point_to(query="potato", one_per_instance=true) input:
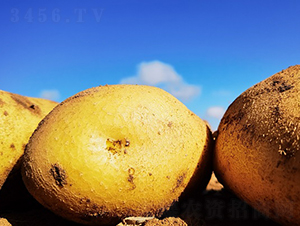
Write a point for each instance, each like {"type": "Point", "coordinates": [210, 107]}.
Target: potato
{"type": "Point", "coordinates": [257, 150]}
{"type": "Point", "coordinates": [171, 221]}
{"type": "Point", "coordinates": [19, 117]}
{"type": "Point", "coordinates": [4, 222]}
{"type": "Point", "coordinates": [116, 151]}
{"type": "Point", "coordinates": [150, 221]}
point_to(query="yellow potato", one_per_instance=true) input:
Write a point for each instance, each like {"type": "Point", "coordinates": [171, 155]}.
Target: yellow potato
{"type": "Point", "coordinates": [19, 117]}
{"type": "Point", "coordinates": [257, 151]}
{"type": "Point", "coordinates": [116, 151]}
{"type": "Point", "coordinates": [4, 222]}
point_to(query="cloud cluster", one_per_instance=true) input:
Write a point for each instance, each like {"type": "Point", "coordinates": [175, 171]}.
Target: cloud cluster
{"type": "Point", "coordinates": [156, 73]}
{"type": "Point", "coordinates": [52, 94]}
{"type": "Point", "coordinates": [216, 112]}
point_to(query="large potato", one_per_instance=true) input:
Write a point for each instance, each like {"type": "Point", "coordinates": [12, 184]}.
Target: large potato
{"type": "Point", "coordinates": [257, 151]}
{"type": "Point", "coordinates": [116, 151]}
{"type": "Point", "coordinates": [19, 117]}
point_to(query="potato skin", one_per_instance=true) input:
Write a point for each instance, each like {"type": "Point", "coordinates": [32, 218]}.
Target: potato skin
{"type": "Point", "coordinates": [19, 117]}
{"type": "Point", "coordinates": [116, 151]}
{"type": "Point", "coordinates": [257, 150]}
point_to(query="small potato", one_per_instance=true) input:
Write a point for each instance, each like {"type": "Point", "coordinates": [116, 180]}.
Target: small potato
{"type": "Point", "coordinates": [4, 222]}
{"type": "Point", "coordinates": [257, 150]}
{"type": "Point", "coordinates": [116, 151]}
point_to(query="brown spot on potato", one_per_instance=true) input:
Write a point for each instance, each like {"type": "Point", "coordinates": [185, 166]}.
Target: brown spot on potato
{"type": "Point", "coordinates": [12, 146]}
{"type": "Point", "coordinates": [26, 103]}
{"type": "Point", "coordinates": [249, 128]}
{"type": "Point", "coordinates": [117, 146]}
{"type": "Point", "coordinates": [113, 146]}
{"type": "Point", "coordinates": [278, 164]}
{"type": "Point", "coordinates": [5, 113]}
{"type": "Point", "coordinates": [1, 102]}
{"type": "Point", "coordinates": [170, 124]}
{"type": "Point", "coordinates": [127, 143]}
{"type": "Point", "coordinates": [281, 86]}
{"type": "Point", "coordinates": [180, 181]}
{"type": "Point", "coordinates": [276, 111]}
{"type": "Point", "coordinates": [275, 82]}
{"type": "Point", "coordinates": [21, 100]}
{"type": "Point", "coordinates": [59, 175]}
{"type": "Point", "coordinates": [284, 87]}
{"type": "Point", "coordinates": [84, 200]}
{"type": "Point", "coordinates": [131, 171]}
{"type": "Point", "coordinates": [130, 177]}
{"type": "Point", "coordinates": [33, 106]}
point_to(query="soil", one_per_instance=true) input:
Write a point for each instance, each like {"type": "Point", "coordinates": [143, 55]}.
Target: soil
{"type": "Point", "coordinates": [215, 207]}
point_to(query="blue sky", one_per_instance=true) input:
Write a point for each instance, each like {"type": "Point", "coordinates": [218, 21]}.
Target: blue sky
{"type": "Point", "coordinates": [206, 53]}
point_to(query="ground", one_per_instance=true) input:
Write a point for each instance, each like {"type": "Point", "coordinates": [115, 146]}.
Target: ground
{"type": "Point", "coordinates": [214, 207]}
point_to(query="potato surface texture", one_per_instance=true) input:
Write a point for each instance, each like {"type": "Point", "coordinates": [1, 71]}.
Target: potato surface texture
{"type": "Point", "coordinates": [19, 117]}
{"type": "Point", "coordinates": [116, 151]}
{"type": "Point", "coordinates": [257, 151]}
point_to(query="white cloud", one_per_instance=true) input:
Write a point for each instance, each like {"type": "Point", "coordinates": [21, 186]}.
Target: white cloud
{"type": "Point", "coordinates": [156, 73]}
{"type": "Point", "coordinates": [52, 94]}
{"type": "Point", "coordinates": [215, 112]}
